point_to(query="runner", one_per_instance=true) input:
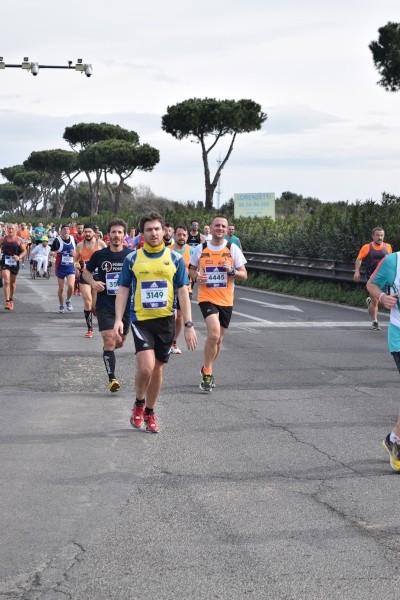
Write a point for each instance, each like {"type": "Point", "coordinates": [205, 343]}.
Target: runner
{"type": "Point", "coordinates": [52, 234]}
{"type": "Point", "coordinates": [84, 251]}
{"type": "Point", "coordinates": [186, 251]}
{"type": "Point", "coordinates": [38, 232]}
{"type": "Point", "coordinates": [108, 264]}
{"type": "Point", "coordinates": [372, 254]}
{"type": "Point", "coordinates": [215, 265]}
{"type": "Point", "coordinates": [195, 237]}
{"type": "Point", "coordinates": [64, 248]}
{"type": "Point", "coordinates": [13, 251]}
{"type": "Point", "coordinates": [154, 274]}
{"type": "Point", "coordinates": [79, 236]}
{"type": "Point", "coordinates": [24, 234]}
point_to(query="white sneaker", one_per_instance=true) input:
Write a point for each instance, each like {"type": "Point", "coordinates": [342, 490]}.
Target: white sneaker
{"type": "Point", "coordinates": [69, 305]}
{"type": "Point", "coordinates": [175, 349]}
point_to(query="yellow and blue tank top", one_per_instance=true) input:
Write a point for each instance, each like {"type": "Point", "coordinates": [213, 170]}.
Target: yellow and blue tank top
{"type": "Point", "coordinates": [154, 277]}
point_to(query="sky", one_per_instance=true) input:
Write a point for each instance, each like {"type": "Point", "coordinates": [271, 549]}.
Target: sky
{"type": "Point", "coordinates": [332, 133]}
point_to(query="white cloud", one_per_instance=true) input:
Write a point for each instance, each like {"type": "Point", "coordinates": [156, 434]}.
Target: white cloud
{"type": "Point", "coordinates": [331, 131]}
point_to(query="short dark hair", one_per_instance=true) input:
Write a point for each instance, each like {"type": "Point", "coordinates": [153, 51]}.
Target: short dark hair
{"type": "Point", "coordinates": [181, 227]}
{"type": "Point", "coordinates": [377, 229]}
{"type": "Point", "coordinates": [87, 225]}
{"type": "Point", "coordinates": [117, 223]}
{"type": "Point", "coordinates": [151, 216]}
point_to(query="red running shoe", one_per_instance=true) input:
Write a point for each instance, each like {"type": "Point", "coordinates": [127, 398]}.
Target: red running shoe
{"type": "Point", "coordinates": [137, 416]}
{"type": "Point", "coordinates": [151, 424]}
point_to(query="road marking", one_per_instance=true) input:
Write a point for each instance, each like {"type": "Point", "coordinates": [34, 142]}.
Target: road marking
{"type": "Point", "coordinates": [269, 305]}
{"type": "Point", "coordinates": [303, 324]}
{"type": "Point", "coordinates": [234, 312]}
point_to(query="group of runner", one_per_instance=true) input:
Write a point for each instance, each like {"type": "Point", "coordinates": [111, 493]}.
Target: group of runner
{"type": "Point", "coordinates": [146, 285]}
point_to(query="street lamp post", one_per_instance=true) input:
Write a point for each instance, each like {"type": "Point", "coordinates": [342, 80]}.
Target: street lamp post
{"type": "Point", "coordinates": [34, 67]}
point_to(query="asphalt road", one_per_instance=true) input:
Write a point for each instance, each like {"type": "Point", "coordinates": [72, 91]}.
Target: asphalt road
{"type": "Point", "coordinates": [272, 487]}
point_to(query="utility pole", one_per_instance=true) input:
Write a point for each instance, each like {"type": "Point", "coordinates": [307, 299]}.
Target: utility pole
{"type": "Point", "coordinates": [219, 191]}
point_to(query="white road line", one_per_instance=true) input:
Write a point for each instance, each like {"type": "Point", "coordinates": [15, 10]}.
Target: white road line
{"type": "Point", "coordinates": [304, 324]}
{"type": "Point", "coordinates": [269, 305]}
{"type": "Point", "coordinates": [252, 318]}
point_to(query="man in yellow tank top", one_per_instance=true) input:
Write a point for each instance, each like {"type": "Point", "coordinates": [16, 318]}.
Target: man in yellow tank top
{"type": "Point", "coordinates": [84, 251]}
{"type": "Point", "coordinates": [215, 265]}
{"type": "Point", "coordinates": [154, 275]}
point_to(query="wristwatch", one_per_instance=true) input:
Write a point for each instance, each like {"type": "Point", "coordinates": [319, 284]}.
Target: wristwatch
{"type": "Point", "coordinates": [188, 324]}
{"type": "Point", "coordinates": [232, 272]}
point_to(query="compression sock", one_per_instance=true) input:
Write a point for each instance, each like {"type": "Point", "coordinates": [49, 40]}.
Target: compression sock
{"type": "Point", "coordinates": [139, 402]}
{"type": "Point", "coordinates": [88, 319]}
{"type": "Point", "coordinates": [149, 411]}
{"type": "Point", "coordinates": [109, 362]}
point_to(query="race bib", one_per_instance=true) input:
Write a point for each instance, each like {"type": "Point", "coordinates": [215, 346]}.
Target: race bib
{"type": "Point", "coordinates": [154, 294]}
{"type": "Point", "coordinates": [10, 261]}
{"type": "Point", "coordinates": [112, 283]}
{"type": "Point", "coordinates": [216, 277]}
{"type": "Point", "coordinates": [66, 259]}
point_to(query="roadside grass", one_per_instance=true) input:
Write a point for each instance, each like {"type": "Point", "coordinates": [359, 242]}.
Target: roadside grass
{"type": "Point", "coordinates": [327, 291]}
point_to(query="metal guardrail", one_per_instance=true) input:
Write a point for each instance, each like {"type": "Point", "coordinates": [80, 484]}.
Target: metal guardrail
{"type": "Point", "coordinates": [318, 268]}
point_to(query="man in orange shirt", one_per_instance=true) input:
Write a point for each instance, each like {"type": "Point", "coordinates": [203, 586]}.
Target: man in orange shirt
{"type": "Point", "coordinates": [215, 265]}
{"type": "Point", "coordinates": [25, 236]}
{"type": "Point", "coordinates": [372, 254]}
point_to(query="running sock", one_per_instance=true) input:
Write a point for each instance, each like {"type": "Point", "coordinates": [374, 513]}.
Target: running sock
{"type": "Point", "coordinates": [88, 318]}
{"type": "Point", "coordinates": [139, 402]}
{"type": "Point", "coordinates": [207, 371]}
{"type": "Point", "coordinates": [149, 411]}
{"type": "Point", "coordinates": [109, 362]}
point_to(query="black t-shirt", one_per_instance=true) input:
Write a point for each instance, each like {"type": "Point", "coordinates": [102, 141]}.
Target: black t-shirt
{"type": "Point", "coordinates": [108, 265]}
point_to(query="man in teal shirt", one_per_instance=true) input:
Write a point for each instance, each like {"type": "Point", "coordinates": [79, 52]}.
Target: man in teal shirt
{"type": "Point", "coordinates": [231, 237]}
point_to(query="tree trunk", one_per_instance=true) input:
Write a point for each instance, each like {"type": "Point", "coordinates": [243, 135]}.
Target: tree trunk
{"type": "Point", "coordinates": [210, 189]}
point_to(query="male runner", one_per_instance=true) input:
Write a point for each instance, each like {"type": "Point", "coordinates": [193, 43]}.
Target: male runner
{"type": "Point", "coordinates": [215, 265]}
{"type": "Point", "coordinates": [64, 248]}
{"type": "Point", "coordinates": [372, 254]}
{"type": "Point", "coordinates": [107, 263]}
{"type": "Point", "coordinates": [38, 232]}
{"type": "Point", "coordinates": [84, 251]}
{"type": "Point", "coordinates": [231, 237]}
{"type": "Point", "coordinates": [195, 237]}
{"type": "Point", "coordinates": [25, 235]}
{"type": "Point", "coordinates": [182, 247]}
{"type": "Point", "coordinates": [168, 234]}
{"type": "Point", "coordinates": [79, 236]}
{"type": "Point", "coordinates": [13, 251]}
{"type": "Point", "coordinates": [155, 274]}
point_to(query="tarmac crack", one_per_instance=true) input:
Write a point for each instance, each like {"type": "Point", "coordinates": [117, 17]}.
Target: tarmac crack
{"type": "Point", "coordinates": [48, 578]}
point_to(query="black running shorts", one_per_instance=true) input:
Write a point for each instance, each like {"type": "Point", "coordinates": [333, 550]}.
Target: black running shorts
{"type": "Point", "coordinates": [106, 320]}
{"type": "Point", "coordinates": [155, 334]}
{"type": "Point", "coordinates": [224, 312]}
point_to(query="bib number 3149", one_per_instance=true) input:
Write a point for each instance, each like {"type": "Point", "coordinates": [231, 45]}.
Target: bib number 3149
{"type": "Point", "coordinates": [154, 294]}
